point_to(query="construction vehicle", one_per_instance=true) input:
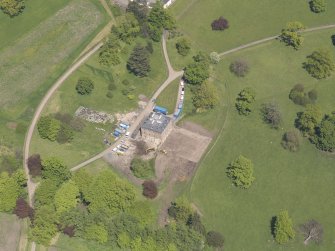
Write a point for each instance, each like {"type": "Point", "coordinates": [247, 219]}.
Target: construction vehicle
{"type": "Point", "coordinates": [163, 151]}
{"type": "Point", "coordinates": [152, 149]}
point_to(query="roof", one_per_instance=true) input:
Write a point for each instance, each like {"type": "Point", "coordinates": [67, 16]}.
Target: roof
{"type": "Point", "coordinates": [156, 122]}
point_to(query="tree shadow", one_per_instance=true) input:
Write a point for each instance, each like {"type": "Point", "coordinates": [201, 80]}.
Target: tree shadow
{"type": "Point", "coordinates": [272, 225]}
{"type": "Point", "coordinates": [333, 39]}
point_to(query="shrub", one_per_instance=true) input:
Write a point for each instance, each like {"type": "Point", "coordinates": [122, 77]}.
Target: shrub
{"type": "Point", "coordinates": [271, 114]}
{"type": "Point", "coordinates": [150, 189]}
{"type": "Point", "coordinates": [180, 210]}
{"type": "Point", "coordinates": [84, 86]}
{"type": "Point", "coordinates": [308, 120]}
{"type": "Point", "coordinates": [313, 95]}
{"type": "Point", "coordinates": [283, 229]}
{"type": "Point", "coordinates": [240, 68]}
{"type": "Point", "coordinates": [205, 96]}
{"type": "Point", "coordinates": [34, 165]}
{"type": "Point", "coordinates": [12, 7]}
{"type": "Point", "coordinates": [142, 169]}
{"type": "Point", "coordinates": [220, 24]}
{"type": "Point", "coordinates": [214, 239]}
{"type": "Point", "coordinates": [109, 94]}
{"type": "Point", "coordinates": [317, 6]}
{"type": "Point", "coordinates": [298, 95]}
{"type": "Point", "coordinates": [65, 134]}
{"type": "Point", "coordinates": [111, 87]}
{"type": "Point", "coordinates": [48, 128]}
{"type": "Point", "coordinates": [291, 140]}
{"type": "Point", "coordinates": [244, 101]}
{"type": "Point", "coordinates": [214, 57]}
{"type": "Point", "coordinates": [125, 82]}
{"type": "Point", "coordinates": [183, 46]}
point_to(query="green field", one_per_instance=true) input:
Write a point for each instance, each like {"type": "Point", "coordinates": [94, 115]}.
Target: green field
{"type": "Point", "coordinates": [9, 231]}
{"type": "Point", "coordinates": [33, 57]}
{"type": "Point", "coordinates": [249, 20]}
{"type": "Point", "coordinates": [66, 100]}
{"type": "Point", "coordinates": [168, 97]}
{"type": "Point", "coordinates": [299, 182]}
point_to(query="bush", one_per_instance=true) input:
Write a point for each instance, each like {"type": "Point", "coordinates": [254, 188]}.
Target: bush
{"type": "Point", "coordinates": [298, 95]}
{"type": "Point", "coordinates": [214, 239]}
{"type": "Point", "coordinates": [271, 114]}
{"type": "Point", "coordinates": [65, 134]}
{"type": "Point", "coordinates": [150, 189]}
{"type": "Point", "coordinates": [220, 24]}
{"type": "Point", "coordinates": [34, 165]}
{"type": "Point", "coordinates": [214, 57]}
{"type": "Point", "coordinates": [109, 94]}
{"type": "Point", "coordinates": [291, 140]}
{"type": "Point", "coordinates": [111, 87]}
{"type": "Point", "coordinates": [317, 6]}
{"type": "Point", "coordinates": [244, 101]}
{"type": "Point", "coordinates": [125, 82]}
{"type": "Point", "coordinates": [183, 46]}
{"type": "Point", "coordinates": [240, 68]}
{"type": "Point", "coordinates": [12, 7]}
{"type": "Point", "coordinates": [142, 169]}
{"type": "Point", "coordinates": [313, 95]}
{"type": "Point", "coordinates": [84, 86]}
{"type": "Point", "coordinates": [48, 128]}
{"type": "Point", "coordinates": [205, 96]}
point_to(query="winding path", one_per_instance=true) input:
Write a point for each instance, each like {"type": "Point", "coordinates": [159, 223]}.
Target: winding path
{"type": "Point", "coordinates": [261, 41]}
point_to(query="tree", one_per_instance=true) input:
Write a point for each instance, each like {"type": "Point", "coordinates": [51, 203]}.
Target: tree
{"type": "Point", "coordinates": [271, 114]}
{"type": "Point", "coordinates": [180, 210]}
{"type": "Point", "coordinates": [118, 195]}
{"type": "Point", "coordinates": [140, 11]}
{"type": "Point", "coordinates": [44, 225]}
{"type": "Point", "coordinates": [142, 211]}
{"type": "Point", "coordinates": [34, 165]}
{"type": "Point", "coordinates": [22, 209]}
{"type": "Point", "coordinates": [320, 64]}
{"type": "Point", "coordinates": [9, 192]}
{"type": "Point", "coordinates": [183, 46]}
{"type": "Point", "coordinates": [12, 7]}
{"type": "Point", "coordinates": [142, 169]}
{"type": "Point", "coordinates": [240, 68]}
{"type": "Point", "coordinates": [312, 230]}
{"type": "Point", "coordinates": [128, 28]}
{"type": "Point", "coordinates": [300, 97]}
{"type": "Point", "coordinates": [244, 101]}
{"type": "Point", "coordinates": [65, 134]}
{"type": "Point", "coordinates": [240, 171]}
{"type": "Point", "coordinates": [158, 20]}
{"type": "Point", "coordinates": [110, 51]}
{"type": "Point", "coordinates": [196, 73]}
{"type": "Point", "coordinates": [48, 128]}
{"type": "Point", "coordinates": [194, 222]}
{"type": "Point", "coordinates": [150, 189]}
{"type": "Point", "coordinates": [220, 24]}
{"type": "Point", "coordinates": [66, 197]}
{"type": "Point", "coordinates": [205, 96]}
{"type": "Point", "coordinates": [214, 57]}
{"type": "Point", "coordinates": [283, 229]}
{"type": "Point", "coordinates": [139, 61]}
{"type": "Point", "coordinates": [324, 138]}
{"type": "Point", "coordinates": [45, 192]}
{"type": "Point", "coordinates": [97, 233]}
{"type": "Point", "coordinates": [291, 140]}
{"type": "Point", "coordinates": [317, 6]}
{"type": "Point", "coordinates": [84, 86]}
{"type": "Point", "coordinates": [291, 35]}
{"type": "Point", "coordinates": [307, 121]}
{"type": "Point", "coordinates": [55, 169]}
{"type": "Point", "coordinates": [214, 239]}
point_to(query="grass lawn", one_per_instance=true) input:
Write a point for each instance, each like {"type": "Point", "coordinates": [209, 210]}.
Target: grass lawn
{"type": "Point", "coordinates": [299, 182]}
{"type": "Point", "coordinates": [248, 20]}
{"type": "Point", "coordinates": [9, 231]}
{"type": "Point", "coordinates": [40, 47]}
{"type": "Point", "coordinates": [66, 100]}
{"type": "Point", "coordinates": [168, 97]}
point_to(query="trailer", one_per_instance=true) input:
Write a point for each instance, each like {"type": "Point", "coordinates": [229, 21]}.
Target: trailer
{"type": "Point", "coordinates": [160, 109]}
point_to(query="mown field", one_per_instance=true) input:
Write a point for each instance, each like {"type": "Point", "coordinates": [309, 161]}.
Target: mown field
{"type": "Point", "coordinates": [67, 100]}
{"type": "Point", "coordinates": [35, 51]}
{"type": "Point", "coordinates": [168, 97]}
{"type": "Point", "coordinates": [300, 182]}
{"type": "Point", "coordinates": [248, 20]}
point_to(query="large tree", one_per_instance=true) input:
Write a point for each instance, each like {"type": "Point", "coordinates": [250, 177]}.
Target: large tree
{"type": "Point", "coordinates": [22, 209]}
{"type": "Point", "coordinates": [320, 64]}
{"type": "Point", "coordinates": [196, 73]}
{"type": "Point", "coordinates": [55, 169]}
{"type": "Point", "coordinates": [183, 46]}
{"type": "Point", "coordinates": [9, 192]}
{"type": "Point", "coordinates": [317, 6]}
{"type": "Point", "coordinates": [240, 171]}
{"type": "Point", "coordinates": [128, 28]}
{"type": "Point", "coordinates": [117, 195]}
{"type": "Point", "coordinates": [271, 114]}
{"type": "Point", "coordinates": [325, 134]}
{"type": "Point", "coordinates": [66, 197]}
{"type": "Point", "coordinates": [45, 192]}
{"type": "Point", "coordinates": [34, 165]}
{"type": "Point", "coordinates": [12, 7]}
{"type": "Point", "coordinates": [291, 35]}
{"type": "Point", "coordinates": [139, 61]}
{"type": "Point", "coordinates": [205, 96]}
{"type": "Point", "coordinates": [283, 229]}
{"type": "Point", "coordinates": [48, 128]}
{"type": "Point", "coordinates": [312, 230]}
{"type": "Point", "coordinates": [244, 101]}
{"type": "Point", "coordinates": [307, 121]}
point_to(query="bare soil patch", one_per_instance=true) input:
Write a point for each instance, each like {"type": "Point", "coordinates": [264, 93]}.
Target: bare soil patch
{"type": "Point", "coordinates": [196, 128]}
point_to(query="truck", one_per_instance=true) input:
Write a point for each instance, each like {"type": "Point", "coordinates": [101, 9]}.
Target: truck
{"type": "Point", "coordinates": [160, 109]}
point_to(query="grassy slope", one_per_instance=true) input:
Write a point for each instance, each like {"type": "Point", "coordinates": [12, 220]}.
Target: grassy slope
{"type": "Point", "coordinates": [168, 97]}
{"type": "Point", "coordinates": [66, 100]}
{"type": "Point", "coordinates": [300, 182]}
{"type": "Point", "coordinates": [249, 20]}
{"type": "Point", "coordinates": [22, 112]}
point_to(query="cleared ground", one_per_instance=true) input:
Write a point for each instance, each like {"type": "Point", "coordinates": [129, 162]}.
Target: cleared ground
{"type": "Point", "coordinates": [300, 182]}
